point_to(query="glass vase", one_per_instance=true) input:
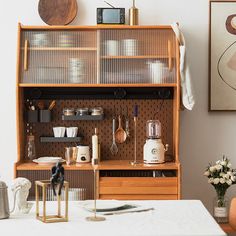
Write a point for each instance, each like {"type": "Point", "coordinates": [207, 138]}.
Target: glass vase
{"type": "Point", "coordinates": [221, 208]}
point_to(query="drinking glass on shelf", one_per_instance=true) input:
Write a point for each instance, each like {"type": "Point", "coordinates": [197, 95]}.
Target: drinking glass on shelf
{"type": "Point", "coordinates": [70, 155]}
{"type": "Point", "coordinates": [30, 149]}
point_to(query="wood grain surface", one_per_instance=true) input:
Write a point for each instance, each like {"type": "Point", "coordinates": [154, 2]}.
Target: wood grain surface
{"type": "Point", "coordinates": [57, 12]}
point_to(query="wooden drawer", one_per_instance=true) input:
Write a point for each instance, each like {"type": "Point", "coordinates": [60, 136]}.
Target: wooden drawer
{"type": "Point", "coordinates": [138, 186]}
{"type": "Point", "coordinates": [139, 196]}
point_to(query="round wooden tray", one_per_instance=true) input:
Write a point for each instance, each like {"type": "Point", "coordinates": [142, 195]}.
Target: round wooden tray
{"type": "Point", "coordinates": [57, 12]}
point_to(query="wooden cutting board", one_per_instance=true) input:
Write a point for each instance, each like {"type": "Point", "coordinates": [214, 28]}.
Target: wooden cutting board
{"type": "Point", "coordinates": [57, 12]}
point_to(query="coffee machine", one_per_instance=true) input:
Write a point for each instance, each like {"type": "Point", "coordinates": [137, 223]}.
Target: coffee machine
{"type": "Point", "coordinates": [154, 150]}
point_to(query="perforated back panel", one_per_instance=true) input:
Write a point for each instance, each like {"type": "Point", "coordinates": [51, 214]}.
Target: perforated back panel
{"type": "Point", "coordinates": [147, 110]}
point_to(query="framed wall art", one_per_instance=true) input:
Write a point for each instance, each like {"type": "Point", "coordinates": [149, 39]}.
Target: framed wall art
{"type": "Point", "coordinates": [222, 56]}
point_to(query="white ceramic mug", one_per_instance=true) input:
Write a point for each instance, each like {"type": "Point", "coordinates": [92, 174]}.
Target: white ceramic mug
{"type": "Point", "coordinates": [111, 48]}
{"type": "Point", "coordinates": [71, 132]}
{"type": "Point", "coordinates": [157, 71]}
{"type": "Point", "coordinates": [130, 47]}
{"type": "Point", "coordinates": [59, 132]}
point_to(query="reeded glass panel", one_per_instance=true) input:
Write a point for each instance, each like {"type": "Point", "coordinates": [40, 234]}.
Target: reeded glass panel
{"type": "Point", "coordinates": [59, 57]}
{"type": "Point", "coordinates": [137, 56]}
{"type": "Point", "coordinates": [107, 56]}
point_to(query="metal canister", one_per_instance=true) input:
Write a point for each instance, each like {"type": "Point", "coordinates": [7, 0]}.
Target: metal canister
{"type": "Point", "coordinates": [133, 15]}
{"type": "Point", "coordinates": [4, 204]}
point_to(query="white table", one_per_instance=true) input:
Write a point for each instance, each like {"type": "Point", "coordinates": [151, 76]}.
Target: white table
{"type": "Point", "coordinates": [184, 217]}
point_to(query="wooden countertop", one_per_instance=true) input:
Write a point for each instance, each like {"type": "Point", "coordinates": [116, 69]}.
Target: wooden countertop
{"type": "Point", "coordinates": [103, 165]}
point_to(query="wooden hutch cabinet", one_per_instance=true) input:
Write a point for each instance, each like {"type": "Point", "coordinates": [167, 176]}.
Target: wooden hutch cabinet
{"type": "Point", "coordinates": [113, 67]}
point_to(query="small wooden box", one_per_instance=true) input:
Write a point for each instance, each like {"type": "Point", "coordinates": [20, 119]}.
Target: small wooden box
{"type": "Point", "coordinates": [50, 218]}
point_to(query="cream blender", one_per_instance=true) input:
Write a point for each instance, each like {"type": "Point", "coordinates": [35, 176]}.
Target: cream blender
{"type": "Point", "coordinates": [154, 150]}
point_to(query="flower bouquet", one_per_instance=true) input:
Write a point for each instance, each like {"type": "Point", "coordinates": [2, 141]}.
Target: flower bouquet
{"type": "Point", "coordinates": [221, 177]}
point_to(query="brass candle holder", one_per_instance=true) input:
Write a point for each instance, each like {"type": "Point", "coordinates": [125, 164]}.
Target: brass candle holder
{"type": "Point", "coordinates": [44, 184]}
{"type": "Point", "coordinates": [95, 217]}
{"type": "Point", "coordinates": [135, 161]}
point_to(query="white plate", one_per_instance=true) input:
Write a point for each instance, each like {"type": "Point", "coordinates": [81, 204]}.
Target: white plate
{"type": "Point", "coordinates": [48, 160]}
{"type": "Point", "coordinates": [103, 205]}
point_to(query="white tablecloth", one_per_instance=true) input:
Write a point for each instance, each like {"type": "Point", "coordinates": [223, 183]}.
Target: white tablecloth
{"type": "Point", "coordinates": [184, 217]}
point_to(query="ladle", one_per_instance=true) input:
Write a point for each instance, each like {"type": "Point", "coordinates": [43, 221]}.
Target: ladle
{"type": "Point", "coordinates": [120, 134]}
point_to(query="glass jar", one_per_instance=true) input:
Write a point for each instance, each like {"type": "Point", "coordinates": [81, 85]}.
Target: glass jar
{"type": "Point", "coordinates": [221, 208]}
{"type": "Point", "coordinates": [70, 155]}
{"type": "Point", "coordinates": [82, 111]}
{"type": "Point", "coordinates": [153, 129]}
{"type": "Point", "coordinates": [96, 111]}
{"type": "Point", "coordinates": [68, 111]}
{"type": "Point", "coordinates": [30, 148]}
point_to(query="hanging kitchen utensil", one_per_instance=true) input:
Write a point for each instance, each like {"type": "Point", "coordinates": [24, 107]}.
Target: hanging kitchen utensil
{"type": "Point", "coordinates": [57, 12]}
{"type": "Point", "coordinates": [120, 134]}
{"type": "Point", "coordinates": [127, 123]}
{"type": "Point", "coordinates": [41, 105]}
{"type": "Point", "coordinates": [51, 105]}
{"type": "Point", "coordinates": [114, 148]}
{"type": "Point", "coordinates": [134, 162]}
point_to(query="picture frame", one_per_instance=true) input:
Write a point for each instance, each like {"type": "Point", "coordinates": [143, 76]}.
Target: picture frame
{"type": "Point", "coordinates": [222, 55]}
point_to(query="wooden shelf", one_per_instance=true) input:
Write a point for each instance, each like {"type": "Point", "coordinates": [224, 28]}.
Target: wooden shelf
{"type": "Point", "coordinates": [61, 49]}
{"type": "Point", "coordinates": [136, 57]}
{"type": "Point", "coordinates": [60, 140]}
{"type": "Point", "coordinates": [98, 85]}
{"type": "Point", "coordinates": [35, 166]}
{"type": "Point", "coordinates": [84, 117]}
{"type": "Point", "coordinates": [93, 27]}
{"type": "Point", "coordinates": [104, 165]}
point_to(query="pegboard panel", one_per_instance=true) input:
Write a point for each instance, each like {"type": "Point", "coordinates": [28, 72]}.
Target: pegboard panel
{"type": "Point", "coordinates": [147, 111]}
{"type": "Point", "coordinates": [76, 179]}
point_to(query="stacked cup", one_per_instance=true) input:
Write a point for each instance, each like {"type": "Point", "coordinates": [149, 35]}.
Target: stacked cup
{"type": "Point", "coordinates": [158, 71]}
{"type": "Point", "coordinates": [76, 70]}
{"type": "Point", "coordinates": [130, 47]}
{"type": "Point", "coordinates": [59, 132]}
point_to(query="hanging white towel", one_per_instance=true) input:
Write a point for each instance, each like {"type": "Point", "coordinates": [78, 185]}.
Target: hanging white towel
{"type": "Point", "coordinates": [187, 92]}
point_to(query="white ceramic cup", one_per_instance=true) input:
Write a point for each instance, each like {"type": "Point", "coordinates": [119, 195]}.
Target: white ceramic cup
{"type": "Point", "coordinates": [112, 48]}
{"type": "Point", "coordinates": [71, 132]}
{"type": "Point", "coordinates": [59, 132]}
{"type": "Point", "coordinates": [157, 71]}
{"type": "Point", "coordinates": [130, 47]}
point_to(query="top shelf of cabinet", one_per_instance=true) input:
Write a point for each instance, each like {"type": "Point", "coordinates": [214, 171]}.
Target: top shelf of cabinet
{"type": "Point", "coordinates": [93, 27]}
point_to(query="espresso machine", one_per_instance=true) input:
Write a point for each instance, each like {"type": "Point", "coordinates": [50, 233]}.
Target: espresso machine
{"type": "Point", "coordinates": [154, 150]}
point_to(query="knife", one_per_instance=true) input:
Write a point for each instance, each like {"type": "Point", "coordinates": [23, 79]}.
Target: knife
{"type": "Point", "coordinates": [123, 212]}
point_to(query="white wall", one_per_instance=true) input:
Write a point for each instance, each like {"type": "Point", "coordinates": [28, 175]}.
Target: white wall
{"type": "Point", "coordinates": [204, 136]}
